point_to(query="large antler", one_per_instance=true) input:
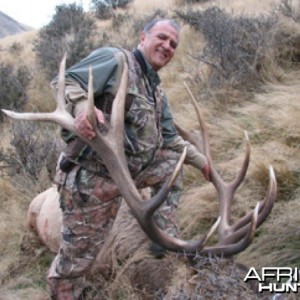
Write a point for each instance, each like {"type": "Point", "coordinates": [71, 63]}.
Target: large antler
{"type": "Point", "coordinates": [236, 237]}
{"type": "Point", "coordinates": [110, 147]}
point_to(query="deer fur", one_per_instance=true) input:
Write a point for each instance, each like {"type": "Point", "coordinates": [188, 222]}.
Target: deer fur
{"type": "Point", "coordinates": [125, 255]}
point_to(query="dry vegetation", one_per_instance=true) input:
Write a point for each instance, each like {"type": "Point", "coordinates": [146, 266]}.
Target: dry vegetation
{"type": "Point", "coordinates": [269, 113]}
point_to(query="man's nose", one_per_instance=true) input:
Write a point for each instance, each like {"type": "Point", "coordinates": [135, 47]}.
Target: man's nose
{"type": "Point", "coordinates": [167, 45]}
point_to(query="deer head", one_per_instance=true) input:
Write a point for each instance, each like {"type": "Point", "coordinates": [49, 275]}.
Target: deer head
{"type": "Point", "coordinates": [110, 147]}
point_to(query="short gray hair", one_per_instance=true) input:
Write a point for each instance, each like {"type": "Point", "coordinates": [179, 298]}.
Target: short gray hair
{"type": "Point", "coordinates": [147, 28]}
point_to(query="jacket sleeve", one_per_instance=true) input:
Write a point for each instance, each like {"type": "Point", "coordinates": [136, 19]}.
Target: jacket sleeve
{"type": "Point", "coordinates": [105, 73]}
{"type": "Point", "coordinates": [105, 70]}
{"type": "Point", "coordinates": [175, 142]}
{"type": "Point", "coordinates": [104, 66]}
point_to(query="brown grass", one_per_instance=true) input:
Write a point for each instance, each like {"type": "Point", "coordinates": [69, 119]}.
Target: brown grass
{"type": "Point", "coordinates": [141, 7]}
{"type": "Point", "coordinates": [25, 39]}
{"type": "Point", "coordinates": [271, 118]}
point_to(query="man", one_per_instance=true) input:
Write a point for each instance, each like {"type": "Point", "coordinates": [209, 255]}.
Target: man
{"type": "Point", "coordinates": [89, 198]}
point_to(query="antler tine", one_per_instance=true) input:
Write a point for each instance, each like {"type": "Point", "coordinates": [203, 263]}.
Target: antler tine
{"type": "Point", "coordinates": [118, 109]}
{"type": "Point", "coordinates": [205, 140]}
{"type": "Point", "coordinates": [153, 204]}
{"type": "Point", "coordinates": [270, 198]}
{"type": "Point", "coordinates": [265, 207]}
{"type": "Point", "coordinates": [61, 84]}
{"type": "Point", "coordinates": [91, 115]}
{"type": "Point", "coordinates": [201, 123]}
{"type": "Point", "coordinates": [229, 249]}
{"type": "Point", "coordinates": [59, 116]}
{"type": "Point", "coordinates": [211, 231]}
{"type": "Point", "coordinates": [241, 175]}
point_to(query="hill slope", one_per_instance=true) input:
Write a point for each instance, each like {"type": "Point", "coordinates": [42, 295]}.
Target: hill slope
{"type": "Point", "coordinates": [9, 26]}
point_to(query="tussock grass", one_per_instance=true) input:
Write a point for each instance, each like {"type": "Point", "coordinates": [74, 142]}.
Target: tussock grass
{"type": "Point", "coordinates": [140, 6]}
{"type": "Point", "coordinates": [248, 7]}
{"type": "Point", "coordinates": [13, 213]}
{"type": "Point", "coordinates": [25, 39]}
{"type": "Point", "coordinates": [40, 95]}
{"type": "Point", "coordinates": [278, 242]}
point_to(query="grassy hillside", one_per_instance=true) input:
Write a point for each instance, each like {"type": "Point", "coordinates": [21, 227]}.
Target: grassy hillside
{"type": "Point", "coordinates": [269, 112]}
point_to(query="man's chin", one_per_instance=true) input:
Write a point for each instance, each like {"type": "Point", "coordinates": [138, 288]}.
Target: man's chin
{"type": "Point", "coordinates": [160, 65]}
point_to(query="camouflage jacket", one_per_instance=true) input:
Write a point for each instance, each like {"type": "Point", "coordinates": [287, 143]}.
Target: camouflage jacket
{"type": "Point", "coordinates": [148, 121]}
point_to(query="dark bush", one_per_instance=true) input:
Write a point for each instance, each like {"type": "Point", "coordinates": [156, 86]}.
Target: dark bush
{"type": "Point", "coordinates": [16, 48]}
{"type": "Point", "coordinates": [195, 1]}
{"type": "Point", "coordinates": [104, 9]}
{"type": "Point", "coordinates": [33, 148]}
{"type": "Point", "coordinates": [120, 20]}
{"type": "Point", "coordinates": [235, 48]}
{"type": "Point", "coordinates": [286, 8]}
{"type": "Point", "coordinates": [13, 85]}
{"type": "Point", "coordinates": [71, 30]}
{"type": "Point", "coordinates": [120, 3]}
{"type": "Point", "coordinates": [288, 46]}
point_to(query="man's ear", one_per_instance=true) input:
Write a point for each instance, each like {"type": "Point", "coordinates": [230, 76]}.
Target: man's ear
{"type": "Point", "coordinates": [142, 37]}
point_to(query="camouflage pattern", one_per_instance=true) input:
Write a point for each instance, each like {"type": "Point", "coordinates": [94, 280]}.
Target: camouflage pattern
{"type": "Point", "coordinates": [143, 134]}
{"type": "Point", "coordinates": [90, 203]}
{"type": "Point", "coordinates": [87, 221]}
{"type": "Point", "coordinates": [90, 200]}
{"type": "Point", "coordinates": [155, 176]}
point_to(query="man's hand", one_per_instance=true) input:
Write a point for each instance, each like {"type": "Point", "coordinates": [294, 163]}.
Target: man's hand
{"type": "Point", "coordinates": [206, 172]}
{"type": "Point", "coordinates": [84, 127]}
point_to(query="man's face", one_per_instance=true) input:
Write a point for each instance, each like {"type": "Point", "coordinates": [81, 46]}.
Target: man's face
{"type": "Point", "coordinates": [159, 45]}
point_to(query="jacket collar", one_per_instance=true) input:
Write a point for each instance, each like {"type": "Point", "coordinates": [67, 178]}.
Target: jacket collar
{"type": "Point", "coordinates": [147, 69]}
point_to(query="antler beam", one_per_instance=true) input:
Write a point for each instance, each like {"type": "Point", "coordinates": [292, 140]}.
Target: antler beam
{"type": "Point", "coordinates": [110, 147]}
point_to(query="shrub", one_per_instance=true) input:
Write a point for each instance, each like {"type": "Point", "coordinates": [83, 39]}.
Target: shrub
{"type": "Point", "coordinates": [13, 85]}
{"type": "Point", "coordinates": [33, 149]}
{"type": "Point", "coordinates": [104, 8]}
{"type": "Point", "coordinates": [286, 8]}
{"type": "Point", "coordinates": [288, 37]}
{"type": "Point", "coordinates": [70, 30]}
{"type": "Point", "coordinates": [16, 48]}
{"type": "Point", "coordinates": [192, 1]}
{"type": "Point", "coordinates": [235, 47]}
